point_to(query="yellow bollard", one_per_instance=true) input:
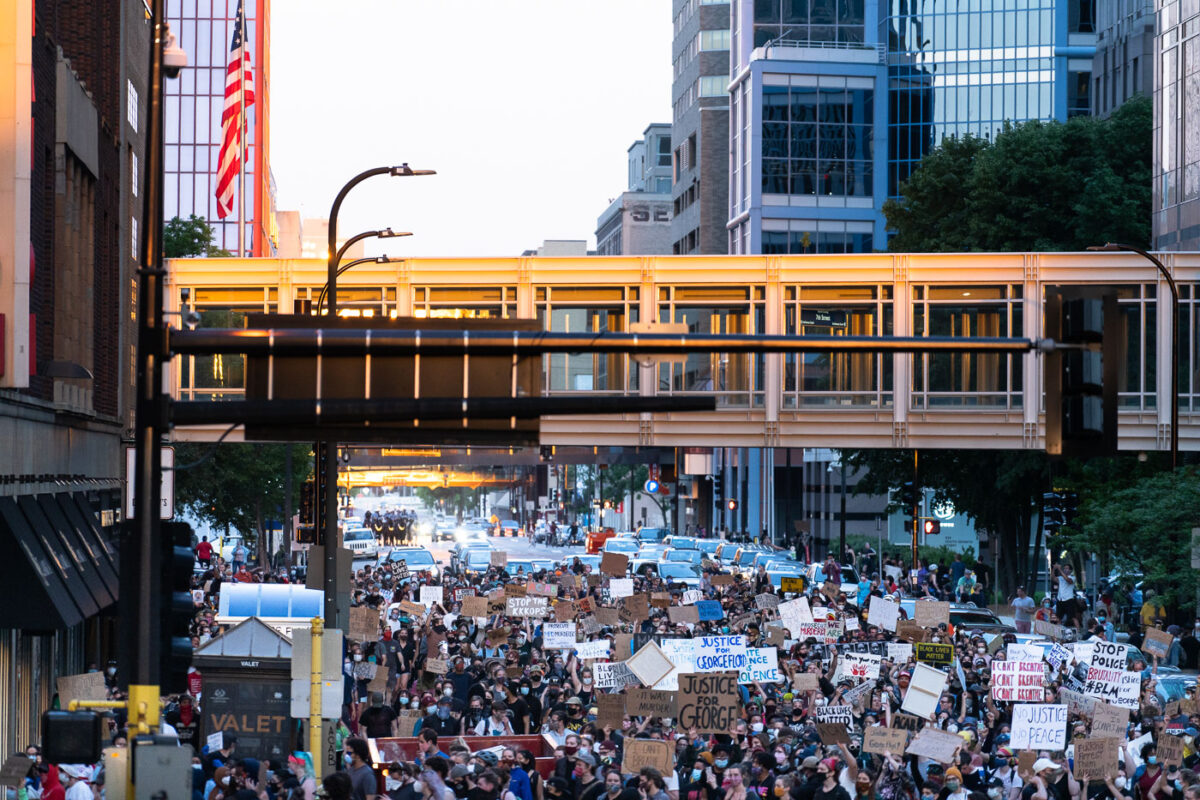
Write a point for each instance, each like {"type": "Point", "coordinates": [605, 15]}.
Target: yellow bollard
{"type": "Point", "coordinates": [314, 698]}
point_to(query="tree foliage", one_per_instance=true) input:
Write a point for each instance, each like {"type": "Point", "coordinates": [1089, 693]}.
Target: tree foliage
{"type": "Point", "coordinates": [461, 501]}
{"type": "Point", "coordinates": [191, 237]}
{"type": "Point", "coordinates": [240, 486]}
{"type": "Point", "coordinates": [1038, 186]}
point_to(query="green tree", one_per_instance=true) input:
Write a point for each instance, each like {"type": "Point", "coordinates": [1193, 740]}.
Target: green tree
{"type": "Point", "coordinates": [458, 500]}
{"type": "Point", "coordinates": [1038, 186]}
{"type": "Point", "coordinates": [191, 237]}
{"type": "Point", "coordinates": [239, 486]}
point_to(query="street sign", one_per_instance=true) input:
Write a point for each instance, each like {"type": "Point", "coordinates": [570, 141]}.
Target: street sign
{"type": "Point", "coordinates": [167, 496]}
{"type": "Point", "coordinates": [651, 486]}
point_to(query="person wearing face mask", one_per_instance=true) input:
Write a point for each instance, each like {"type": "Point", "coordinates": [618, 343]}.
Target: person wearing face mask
{"type": "Point", "coordinates": [356, 757]}
{"type": "Point", "coordinates": [497, 723]}
{"type": "Point", "coordinates": [761, 781]}
{"type": "Point", "coordinates": [698, 783]}
{"type": "Point", "coordinates": [952, 788]}
{"type": "Point", "coordinates": [1004, 770]}
{"type": "Point", "coordinates": [583, 774]}
{"type": "Point", "coordinates": [530, 698]}
{"type": "Point", "coordinates": [460, 681]}
{"type": "Point", "coordinates": [575, 715]}
{"type": "Point", "coordinates": [582, 683]}
{"type": "Point", "coordinates": [1147, 774]}
{"type": "Point", "coordinates": [377, 719]}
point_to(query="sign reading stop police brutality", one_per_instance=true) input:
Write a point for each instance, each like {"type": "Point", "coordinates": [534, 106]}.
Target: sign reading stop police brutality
{"type": "Point", "coordinates": [708, 703]}
{"type": "Point", "coordinates": [720, 653]}
{"type": "Point", "coordinates": [1106, 675]}
{"type": "Point", "coordinates": [1020, 681]}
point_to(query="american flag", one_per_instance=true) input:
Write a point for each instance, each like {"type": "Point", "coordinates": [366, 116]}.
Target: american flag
{"type": "Point", "coordinates": [239, 93]}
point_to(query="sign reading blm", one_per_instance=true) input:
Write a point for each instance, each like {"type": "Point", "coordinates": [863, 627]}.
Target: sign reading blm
{"type": "Point", "coordinates": [709, 702]}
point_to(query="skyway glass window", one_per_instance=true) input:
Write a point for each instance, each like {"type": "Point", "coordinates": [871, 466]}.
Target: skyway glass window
{"type": "Point", "coordinates": [816, 21]}
{"type": "Point", "coordinates": [574, 310]}
{"type": "Point", "coordinates": [967, 379]}
{"type": "Point", "coordinates": [736, 379]}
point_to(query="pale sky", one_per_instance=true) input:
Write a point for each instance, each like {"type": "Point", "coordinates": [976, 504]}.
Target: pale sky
{"type": "Point", "coordinates": [524, 107]}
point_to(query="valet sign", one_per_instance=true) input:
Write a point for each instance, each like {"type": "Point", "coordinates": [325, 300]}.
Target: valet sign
{"type": "Point", "coordinates": [166, 507]}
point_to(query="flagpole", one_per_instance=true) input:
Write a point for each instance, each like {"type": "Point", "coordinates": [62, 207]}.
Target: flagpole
{"type": "Point", "coordinates": [242, 129]}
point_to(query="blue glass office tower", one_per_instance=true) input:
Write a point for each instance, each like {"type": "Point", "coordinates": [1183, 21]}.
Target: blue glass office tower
{"type": "Point", "coordinates": [834, 102]}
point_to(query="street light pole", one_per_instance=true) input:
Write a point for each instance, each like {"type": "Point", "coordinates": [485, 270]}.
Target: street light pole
{"type": "Point", "coordinates": [1116, 247]}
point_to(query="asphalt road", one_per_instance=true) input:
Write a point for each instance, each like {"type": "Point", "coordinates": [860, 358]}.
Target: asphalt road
{"type": "Point", "coordinates": [517, 547]}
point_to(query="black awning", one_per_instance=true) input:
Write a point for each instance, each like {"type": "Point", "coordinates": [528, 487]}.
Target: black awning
{"type": "Point", "coordinates": [33, 595]}
{"type": "Point", "coordinates": [61, 557]}
{"type": "Point", "coordinates": [79, 510]}
{"type": "Point", "coordinates": [92, 537]}
{"type": "Point", "coordinates": [85, 560]}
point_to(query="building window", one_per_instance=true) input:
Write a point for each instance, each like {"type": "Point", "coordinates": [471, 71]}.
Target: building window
{"type": "Point", "coordinates": [714, 40]}
{"type": "Point", "coordinates": [841, 21]}
{"type": "Point", "coordinates": [131, 101]}
{"type": "Point", "coordinates": [1079, 102]}
{"type": "Point", "coordinates": [713, 86]}
{"type": "Point", "coordinates": [1081, 16]}
{"type": "Point", "coordinates": [664, 151]}
{"type": "Point", "coordinates": [133, 229]}
{"type": "Point", "coordinates": [133, 171]}
{"type": "Point", "coordinates": [817, 141]}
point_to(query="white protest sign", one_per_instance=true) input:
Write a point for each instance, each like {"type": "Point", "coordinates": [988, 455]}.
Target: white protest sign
{"type": "Point", "coordinates": [899, 652]}
{"type": "Point", "coordinates": [1018, 681]}
{"type": "Point", "coordinates": [529, 606]}
{"type": "Point", "coordinates": [614, 675]}
{"type": "Point", "coordinates": [1058, 656]}
{"type": "Point", "coordinates": [558, 635]}
{"type": "Point", "coordinates": [1039, 726]}
{"type": "Point", "coordinates": [762, 666]}
{"type": "Point", "coordinates": [883, 613]}
{"type": "Point", "coordinates": [851, 623]}
{"type": "Point", "coordinates": [683, 655]}
{"type": "Point", "coordinates": [720, 653]}
{"type": "Point", "coordinates": [860, 666]}
{"type": "Point", "coordinates": [215, 741]}
{"type": "Point", "coordinates": [1105, 676]}
{"type": "Point", "coordinates": [1083, 652]}
{"type": "Point", "coordinates": [924, 689]}
{"type": "Point", "coordinates": [1022, 652]}
{"type": "Point", "coordinates": [431, 595]}
{"type": "Point", "coordinates": [795, 613]}
{"type": "Point", "coordinates": [691, 596]}
{"type": "Point", "coordinates": [620, 587]}
{"type": "Point", "coordinates": [591, 650]}
{"type": "Point", "coordinates": [1130, 688]}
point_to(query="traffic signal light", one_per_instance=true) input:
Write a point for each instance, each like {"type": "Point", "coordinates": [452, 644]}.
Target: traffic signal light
{"type": "Point", "coordinates": [320, 490]}
{"type": "Point", "coordinates": [177, 609]}
{"type": "Point", "coordinates": [1053, 516]}
{"type": "Point", "coordinates": [909, 498]}
{"type": "Point", "coordinates": [717, 488]}
{"type": "Point", "coordinates": [1081, 378]}
{"type": "Point", "coordinates": [307, 501]}
{"type": "Point", "coordinates": [932, 527]}
{"type": "Point", "coordinates": [732, 505]}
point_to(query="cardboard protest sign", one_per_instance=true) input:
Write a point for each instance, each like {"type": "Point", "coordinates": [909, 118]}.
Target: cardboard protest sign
{"type": "Point", "coordinates": [564, 611]}
{"type": "Point", "coordinates": [650, 703]}
{"type": "Point", "coordinates": [585, 605]}
{"type": "Point", "coordinates": [793, 585]}
{"type": "Point", "coordinates": [650, 664]}
{"type": "Point", "coordinates": [709, 703]}
{"type": "Point", "coordinates": [832, 734]}
{"type": "Point", "coordinates": [883, 613]}
{"type": "Point", "coordinates": [379, 683]}
{"type": "Point", "coordinates": [14, 770]}
{"type": "Point", "coordinates": [475, 606]}
{"type": "Point", "coordinates": [931, 613]}
{"type": "Point", "coordinates": [907, 722]}
{"type": "Point", "coordinates": [364, 624]}
{"type": "Point", "coordinates": [591, 625]}
{"type": "Point", "coordinates": [683, 614]}
{"type": "Point", "coordinates": [691, 596]}
{"type": "Point", "coordinates": [1157, 643]}
{"type": "Point", "coordinates": [1025, 761]}
{"type": "Point", "coordinates": [924, 689]}
{"type": "Point", "coordinates": [438, 666]}
{"type": "Point", "coordinates": [1095, 758]}
{"type": "Point", "coordinates": [608, 617]}
{"type": "Point", "coordinates": [542, 589]}
{"type": "Point", "coordinates": [935, 744]}
{"type": "Point", "coordinates": [833, 723]}
{"type": "Point", "coordinates": [766, 601]}
{"type": "Point", "coordinates": [496, 602]}
{"type": "Point", "coordinates": [90, 685]}
{"type": "Point", "coordinates": [910, 631]}
{"type": "Point", "coordinates": [762, 666]}
{"type": "Point", "coordinates": [656, 753]}
{"type": "Point", "coordinates": [499, 558]}
{"type": "Point", "coordinates": [776, 637]}
{"type": "Point", "coordinates": [634, 608]}
{"type": "Point", "coordinates": [615, 564]}
{"type": "Point", "coordinates": [806, 682]}
{"type": "Point", "coordinates": [558, 635]}
{"type": "Point", "coordinates": [1022, 652]}
{"type": "Point", "coordinates": [498, 636]}
{"type": "Point", "coordinates": [936, 653]}
{"type": "Point", "coordinates": [710, 610]}
{"type": "Point", "coordinates": [1039, 726]}
{"type": "Point", "coordinates": [1106, 676]}
{"type": "Point", "coordinates": [1018, 681]}
{"type": "Point", "coordinates": [515, 590]}
{"type": "Point", "coordinates": [613, 675]}
{"type": "Point", "coordinates": [722, 579]}
{"type": "Point", "coordinates": [1058, 656]}
{"type": "Point", "coordinates": [1170, 750]}
{"type": "Point", "coordinates": [406, 722]}
{"type": "Point", "coordinates": [622, 646]}
{"type": "Point", "coordinates": [1108, 721]}
{"type": "Point", "coordinates": [660, 599]}
{"type": "Point", "coordinates": [532, 607]}
{"type": "Point", "coordinates": [1049, 630]}
{"type": "Point", "coordinates": [877, 739]}
{"type": "Point", "coordinates": [610, 710]}
{"type": "Point", "coordinates": [720, 653]}
{"type": "Point", "coordinates": [811, 630]}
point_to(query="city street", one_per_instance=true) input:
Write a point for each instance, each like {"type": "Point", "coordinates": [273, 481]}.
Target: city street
{"type": "Point", "coordinates": [516, 547]}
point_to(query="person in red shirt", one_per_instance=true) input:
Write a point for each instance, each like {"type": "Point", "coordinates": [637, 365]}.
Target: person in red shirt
{"type": "Point", "coordinates": [204, 551]}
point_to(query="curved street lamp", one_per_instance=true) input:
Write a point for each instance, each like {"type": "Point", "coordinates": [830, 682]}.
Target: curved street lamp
{"type": "Point", "coordinates": [1112, 247]}
{"type": "Point", "coordinates": [326, 288]}
{"type": "Point", "coordinates": [402, 171]}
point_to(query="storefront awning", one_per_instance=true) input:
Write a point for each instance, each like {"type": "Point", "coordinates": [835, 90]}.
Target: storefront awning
{"type": "Point", "coordinates": [34, 594]}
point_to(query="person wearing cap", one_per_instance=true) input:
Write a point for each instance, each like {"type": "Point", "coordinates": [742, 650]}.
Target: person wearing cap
{"type": "Point", "coordinates": [583, 775]}
{"type": "Point", "coordinates": [1004, 770]}
{"type": "Point", "coordinates": [1039, 788]}
{"type": "Point", "coordinates": [698, 783]}
{"type": "Point", "coordinates": [77, 776]}
{"type": "Point", "coordinates": [829, 789]}
{"type": "Point", "coordinates": [442, 720]}
{"type": "Point", "coordinates": [575, 716]}
{"type": "Point", "coordinates": [496, 724]}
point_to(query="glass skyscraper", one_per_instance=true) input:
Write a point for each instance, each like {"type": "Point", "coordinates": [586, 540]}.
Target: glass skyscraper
{"type": "Point", "coordinates": [835, 102]}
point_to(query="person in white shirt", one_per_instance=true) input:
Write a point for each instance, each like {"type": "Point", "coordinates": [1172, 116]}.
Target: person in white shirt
{"type": "Point", "coordinates": [1066, 595]}
{"type": "Point", "coordinates": [77, 776]}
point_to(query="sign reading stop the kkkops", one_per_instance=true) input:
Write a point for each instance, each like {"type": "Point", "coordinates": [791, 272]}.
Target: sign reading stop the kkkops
{"type": "Point", "coordinates": [166, 507]}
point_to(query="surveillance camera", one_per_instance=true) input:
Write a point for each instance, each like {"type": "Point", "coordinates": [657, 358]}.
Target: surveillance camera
{"type": "Point", "coordinates": [174, 57]}
{"type": "Point", "coordinates": [191, 318]}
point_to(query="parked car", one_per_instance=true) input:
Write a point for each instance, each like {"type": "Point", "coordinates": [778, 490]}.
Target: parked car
{"type": "Point", "coordinates": [965, 617]}
{"type": "Point", "coordinates": [673, 572]}
{"type": "Point", "coordinates": [684, 556]}
{"type": "Point", "coordinates": [653, 534]}
{"type": "Point", "coordinates": [849, 583]}
{"type": "Point", "coordinates": [683, 542]}
{"type": "Point", "coordinates": [508, 527]}
{"type": "Point", "coordinates": [458, 553]}
{"type": "Point", "coordinates": [476, 561]}
{"type": "Point", "coordinates": [626, 546]}
{"type": "Point", "coordinates": [778, 569]}
{"type": "Point", "coordinates": [528, 566]}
